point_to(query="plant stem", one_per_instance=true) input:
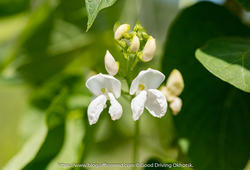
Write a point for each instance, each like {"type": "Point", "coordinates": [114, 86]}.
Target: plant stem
{"type": "Point", "coordinates": [136, 142]}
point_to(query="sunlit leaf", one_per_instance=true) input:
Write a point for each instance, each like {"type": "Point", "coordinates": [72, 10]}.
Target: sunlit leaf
{"type": "Point", "coordinates": [215, 115]}
{"type": "Point", "coordinates": [228, 59]}
{"type": "Point", "coordinates": [38, 21]}
{"type": "Point", "coordinates": [73, 140]}
{"type": "Point", "coordinates": [47, 142]}
{"type": "Point", "coordinates": [94, 6]}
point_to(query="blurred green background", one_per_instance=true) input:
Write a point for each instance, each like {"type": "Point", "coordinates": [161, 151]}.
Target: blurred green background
{"type": "Point", "coordinates": [46, 56]}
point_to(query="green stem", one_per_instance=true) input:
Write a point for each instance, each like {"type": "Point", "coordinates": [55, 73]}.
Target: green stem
{"type": "Point", "coordinates": [128, 72]}
{"type": "Point", "coordinates": [135, 62]}
{"type": "Point", "coordinates": [136, 142]}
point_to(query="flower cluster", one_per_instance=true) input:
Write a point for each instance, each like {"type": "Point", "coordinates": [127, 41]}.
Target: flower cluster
{"type": "Point", "coordinates": [136, 45]}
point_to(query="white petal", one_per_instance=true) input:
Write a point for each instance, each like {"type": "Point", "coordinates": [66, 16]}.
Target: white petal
{"type": "Point", "coordinates": [121, 30]}
{"type": "Point", "coordinates": [149, 49]}
{"type": "Point", "coordinates": [137, 104]}
{"type": "Point", "coordinates": [156, 103]}
{"type": "Point", "coordinates": [176, 105]}
{"type": "Point", "coordinates": [110, 64]}
{"type": "Point", "coordinates": [150, 78]}
{"type": "Point", "coordinates": [95, 108]}
{"type": "Point", "coordinates": [101, 81]}
{"type": "Point", "coordinates": [115, 110]}
{"type": "Point", "coordinates": [135, 44]}
{"type": "Point", "coordinates": [175, 83]}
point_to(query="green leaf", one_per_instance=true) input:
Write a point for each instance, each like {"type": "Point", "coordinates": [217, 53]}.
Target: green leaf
{"type": "Point", "coordinates": [73, 140]}
{"type": "Point", "coordinates": [215, 115]}
{"type": "Point", "coordinates": [245, 4]}
{"type": "Point", "coordinates": [94, 6]}
{"type": "Point", "coordinates": [47, 142]}
{"type": "Point", "coordinates": [228, 59]}
{"type": "Point", "coordinates": [44, 95]}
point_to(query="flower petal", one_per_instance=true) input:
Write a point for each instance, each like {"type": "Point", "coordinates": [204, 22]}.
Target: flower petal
{"type": "Point", "coordinates": [176, 105]}
{"type": "Point", "coordinates": [95, 108]}
{"type": "Point", "coordinates": [137, 104]}
{"type": "Point", "coordinates": [110, 64]}
{"type": "Point", "coordinates": [101, 81]}
{"type": "Point", "coordinates": [156, 103]}
{"type": "Point", "coordinates": [121, 30]}
{"type": "Point", "coordinates": [150, 78]}
{"type": "Point", "coordinates": [115, 110]}
{"type": "Point", "coordinates": [175, 83]}
{"type": "Point", "coordinates": [149, 49]}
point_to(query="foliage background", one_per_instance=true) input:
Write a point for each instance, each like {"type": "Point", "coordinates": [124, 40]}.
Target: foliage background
{"type": "Point", "coordinates": [46, 56]}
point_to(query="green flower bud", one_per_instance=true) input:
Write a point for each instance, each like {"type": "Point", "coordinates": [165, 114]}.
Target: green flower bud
{"type": "Point", "coordinates": [124, 28]}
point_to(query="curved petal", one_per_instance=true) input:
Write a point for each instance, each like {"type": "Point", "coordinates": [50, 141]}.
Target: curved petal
{"type": "Point", "coordinates": [175, 83]}
{"type": "Point", "coordinates": [95, 108]}
{"type": "Point", "coordinates": [149, 49]}
{"type": "Point", "coordinates": [176, 105]}
{"type": "Point", "coordinates": [115, 110]}
{"type": "Point", "coordinates": [110, 64]}
{"type": "Point", "coordinates": [150, 78]}
{"type": "Point", "coordinates": [156, 103]}
{"type": "Point", "coordinates": [137, 104]}
{"type": "Point", "coordinates": [101, 81]}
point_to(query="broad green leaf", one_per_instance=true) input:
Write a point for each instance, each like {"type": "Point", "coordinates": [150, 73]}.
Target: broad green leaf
{"type": "Point", "coordinates": [38, 22]}
{"type": "Point", "coordinates": [73, 140]}
{"type": "Point", "coordinates": [28, 151]}
{"type": "Point", "coordinates": [215, 115]}
{"type": "Point", "coordinates": [228, 59]}
{"type": "Point", "coordinates": [94, 6]}
{"type": "Point", "coordinates": [44, 94]}
{"type": "Point", "coordinates": [47, 142]}
{"type": "Point", "coordinates": [245, 4]}
{"type": "Point", "coordinates": [11, 26]}
{"type": "Point", "coordinates": [11, 7]}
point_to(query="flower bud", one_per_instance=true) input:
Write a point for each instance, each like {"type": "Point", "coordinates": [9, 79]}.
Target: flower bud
{"type": "Point", "coordinates": [110, 64]}
{"type": "Point", "coordinates": [149, 49]}
{"type": "Point", "coordinates": [176, 105]}
{"type": "Point", "coordinates": [124, 28]}
{"type": "Point", "coordinates": [175, 83]}
{"type": "Point", "coordinates": [135, 44]}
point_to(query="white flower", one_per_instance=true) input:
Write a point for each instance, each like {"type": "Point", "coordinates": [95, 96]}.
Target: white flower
{"type": "Point", "coordinates": [105, 87]}
{"type": "Point", "coordinates": [135, 44]}
{"type": "Point", "coordinates": [110, 64]}
{"type": "Point", "coordinates": [149, 49]}
{"type": "Point", "coordinates": [145, 85]}
{"type": "Point", "coordinates": [124, 28]}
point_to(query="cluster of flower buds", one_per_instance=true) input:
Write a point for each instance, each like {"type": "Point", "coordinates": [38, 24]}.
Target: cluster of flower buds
{"type": "Point", "coordinates": [137, 41]}
{"type": "Point", "coordinates": [174, 87]}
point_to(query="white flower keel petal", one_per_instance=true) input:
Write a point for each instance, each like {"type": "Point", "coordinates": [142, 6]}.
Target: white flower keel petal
{"type": "Point", "coordinates": [95, 108]}
{"type": "Point", "coordinates": [137, 104]}
{"type": "Point", "coordinates": [156, 103]}
{"type": "Point", "coordinates": [115, 110]}
{"type": "Point", "coordinates": [176, 105]}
